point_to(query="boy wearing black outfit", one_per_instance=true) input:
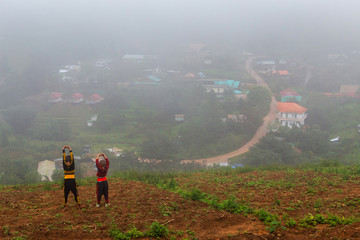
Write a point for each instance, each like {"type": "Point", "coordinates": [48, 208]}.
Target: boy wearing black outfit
{"type": "Point", "coordinates": [69, 176]}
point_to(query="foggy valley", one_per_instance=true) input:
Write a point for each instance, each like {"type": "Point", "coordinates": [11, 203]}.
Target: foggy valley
{"type": "Point", "coordinates": [239, 111]}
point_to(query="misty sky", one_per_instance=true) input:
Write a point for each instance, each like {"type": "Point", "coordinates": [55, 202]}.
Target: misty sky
{"type": "Point", "coordinates": [144, 23]}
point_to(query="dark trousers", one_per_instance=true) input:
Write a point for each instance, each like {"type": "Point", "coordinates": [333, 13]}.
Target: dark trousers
{"type": "Point", "coordinates": [102, 188]}
{"type": "Point", "coordinates": [70, 185]}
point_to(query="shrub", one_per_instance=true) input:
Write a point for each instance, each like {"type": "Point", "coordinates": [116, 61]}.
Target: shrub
{"type": "Point", "coordinates": [119, 235]}
{"type": "Point", "coordinates": [266, 216]}
{"type": "Point", "coordinates": [157, 230]}
{"type": "Point", "coordinates": [195, 195]}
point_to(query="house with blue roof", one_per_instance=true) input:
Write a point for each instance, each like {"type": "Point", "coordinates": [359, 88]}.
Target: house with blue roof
{"type": "Point", "coordinates": [150, 80]}
{"type": "Point", "coordinates": [219, 86]}
{"type": "Point", "coordinates": [230, 83]}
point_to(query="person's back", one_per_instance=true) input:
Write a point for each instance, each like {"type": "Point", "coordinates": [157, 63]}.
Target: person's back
{"type": "Point", "coordinates": [69, 176]}
{"type": "Point", "coordinates": [102, 184]}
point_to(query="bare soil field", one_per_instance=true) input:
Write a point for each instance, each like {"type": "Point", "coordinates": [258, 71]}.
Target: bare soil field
{"type": "Point", "coordinates": [253, 205]}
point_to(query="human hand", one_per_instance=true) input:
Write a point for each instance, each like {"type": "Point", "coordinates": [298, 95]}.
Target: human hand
{"type": "Point", "coordinates": [66, 146]}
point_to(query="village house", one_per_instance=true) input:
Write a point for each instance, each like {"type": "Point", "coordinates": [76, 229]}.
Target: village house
{"type": "Point", "coordinates": [46, 169]}
{"type": "Point", "coordinates": [349, 91]}
{"type": "Point", "coordinates": [149, 80]}
{"type": "Point", "coordinates": [94, 117]}
{"type": "Point", "coordinates": [94, 99]}
{"type": "Point", "coordinates": [352, 91]}
{"type": "Point", "coordinates": [214, 88]}
{"type": "Point", "coordinates": [281, 73]}
{"type": "Point", "coordinates": [67, 72]}
{"type": "Point", "coordinates": [132, 58]}
{"type": "Point", "coordinates": [218, 85]}
{"type": "Point", "coordinates": [90, 123]}
{"type": "Point", "coordinates": [266, 64]}
{"type": "Point", "coordinates": [76, 98]}
{"type": "Point", "coordinates": [103, 63]}
{"type": "Point", "coordinates": [238, 118]}
{"type": "Point", "coordinates": [190, 75]}
{"type": "Point", "coordinates": [290, 114]}
{"type": "Point", "coordinates": [179, 117]}
{"type": "Point", "coordinates": [92, 120]}
{"type": "Point", "coordinates": [289, 95]}
{"type": "Point", "coordinates": [55, 97]}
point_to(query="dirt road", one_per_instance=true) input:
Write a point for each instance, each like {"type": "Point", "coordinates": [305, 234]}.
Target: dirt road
{"type": "Point", "coordinates": [260, 132]}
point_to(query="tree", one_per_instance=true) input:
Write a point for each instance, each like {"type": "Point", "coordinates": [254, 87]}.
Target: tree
{"type": "Point", "coordinates": [125, 161]}
{"type": "Point", "coordinates": [259, 99]}
{"type": "Point", "coordinates": [51, 130]}
{"type": "Point", "coordinates": [5, 133]}
{"type": "Point", "coordinates": [20, 119]}
{"type": "Point", "coordinates": [270, 150]}
{"type": "Point", "coordinates": [18, 171]}
{"type": "Point", "coordinates": [158, 146]}
{"type": "Point", "coordinates": [313, 140]}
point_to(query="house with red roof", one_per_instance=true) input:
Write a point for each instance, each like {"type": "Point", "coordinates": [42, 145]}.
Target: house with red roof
{"type": "Point", "coordinates": [349, 91]}
{"type": "Point", "coordinates": [352, 91]}
{"type": "Point", "coordinates": [289, 95]}
{"type": "Point", "coordinates": [76, 98]}
{"type": "Point", "coordinates": [55, 97]}
{"type": "Point", "coordinates": [290, 114]}
{"type": "Point", "coordinates": [94, 98]}
{"type": "Point", "coordinates": [281, 72]}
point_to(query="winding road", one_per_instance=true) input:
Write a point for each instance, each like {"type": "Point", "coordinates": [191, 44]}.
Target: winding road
{"type": "Point", "coordinates": [260, 132]}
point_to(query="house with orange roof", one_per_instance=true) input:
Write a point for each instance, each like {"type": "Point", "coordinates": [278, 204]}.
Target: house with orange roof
{"type": "Point", "coordinates": [290, 114]}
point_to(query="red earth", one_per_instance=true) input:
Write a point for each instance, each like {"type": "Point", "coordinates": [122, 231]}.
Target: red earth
{"type": "Point", "coordinates": [36, 212]}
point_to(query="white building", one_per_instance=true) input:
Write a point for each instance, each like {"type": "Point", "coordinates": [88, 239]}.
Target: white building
{"type": "Point", "coordinates": [46, 169]}
{"type": "Point", "coordinates": [94, 117]}
{"type": "Point", "coordinates": [290, 114]}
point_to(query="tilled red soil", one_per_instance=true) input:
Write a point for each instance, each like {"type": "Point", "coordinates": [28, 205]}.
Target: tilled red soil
{"type": "Point", "coordinates": [36, 212]}
{"type": "Point", "coordinates": [294, 194]}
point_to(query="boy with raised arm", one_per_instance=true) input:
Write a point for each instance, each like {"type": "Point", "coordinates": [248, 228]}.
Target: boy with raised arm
{"type": "Point", "coordinates": [69, 176]}
{"type": "Point", "coordinates": [102, 184]}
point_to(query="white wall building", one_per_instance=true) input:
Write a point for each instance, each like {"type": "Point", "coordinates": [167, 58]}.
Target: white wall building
{"type": "Point", "coordinates": [46, 169]}
{"type": "Point", "coordinates": [290, 114]}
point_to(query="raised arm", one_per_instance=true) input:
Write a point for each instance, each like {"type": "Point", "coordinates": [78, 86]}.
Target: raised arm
{"type": "Point", "coordinates": [70, 151]}
{"type": "Point", "coordinates": [107, 161]}
{"type": "Point", "coordinates": [97, 160]}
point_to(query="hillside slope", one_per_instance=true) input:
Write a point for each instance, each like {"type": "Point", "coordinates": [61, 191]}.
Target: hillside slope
{"type": "Point", "coordinates": [256, 205]}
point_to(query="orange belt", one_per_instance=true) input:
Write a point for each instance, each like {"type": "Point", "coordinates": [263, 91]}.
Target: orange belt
{"type": "Point", "coordinates": [69, 176]}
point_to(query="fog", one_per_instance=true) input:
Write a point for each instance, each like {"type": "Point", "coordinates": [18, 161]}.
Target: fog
{"type": "Point", "coordinates": [123, 74]}
{"type": "Point", "coordinates": [102, 26]}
